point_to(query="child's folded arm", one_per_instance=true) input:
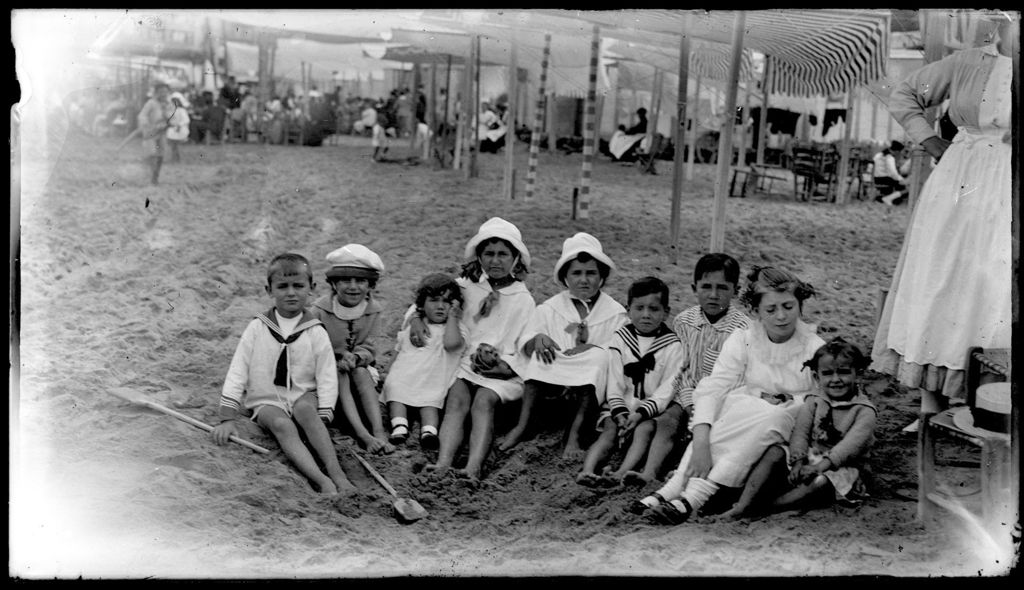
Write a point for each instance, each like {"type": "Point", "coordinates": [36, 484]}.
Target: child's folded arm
{"type": "Point", "coordinates": [857, 439]}
{"type": "Point", "coordinates": [799, 439]}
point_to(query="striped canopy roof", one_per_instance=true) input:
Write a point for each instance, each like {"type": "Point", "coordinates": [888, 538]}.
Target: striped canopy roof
{"type": "Point", "coordinates": [813, 52]}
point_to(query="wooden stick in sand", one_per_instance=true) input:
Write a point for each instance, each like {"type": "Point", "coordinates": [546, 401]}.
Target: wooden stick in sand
{"type": "Point", "coordinates": [139, 400]}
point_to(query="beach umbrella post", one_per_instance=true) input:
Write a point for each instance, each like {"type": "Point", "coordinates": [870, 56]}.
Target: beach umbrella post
{"type": "Point", "coordinates": [510, 136]}
{"type": "Point", "coordinates": [538, 120]}
{"type": "Point", "coordinates": [725, 137]}
{"type": "Point", "coordinates": [588, 128]}
{"type": "Point", "coordinates": [691, 140]}
{"type": "Point", "coordinates": [677, 141]}
{"type": "Point", "coordinates": [762, 125]}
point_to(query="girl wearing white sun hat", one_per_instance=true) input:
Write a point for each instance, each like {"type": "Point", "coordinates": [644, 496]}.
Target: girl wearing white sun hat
{"type": "Point", "coordinates": [565, 340]}
{"type": "Point", "coordinates": [497, 308]}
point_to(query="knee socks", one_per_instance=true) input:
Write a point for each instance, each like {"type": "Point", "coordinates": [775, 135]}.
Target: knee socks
{"type": "Point", "coordinates": [697, 493]}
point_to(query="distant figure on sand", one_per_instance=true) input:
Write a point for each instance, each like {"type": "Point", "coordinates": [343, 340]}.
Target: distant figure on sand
{"type": "Point", "coordinates": [283, 373]}
{"type": "Point", "coordinates": [352, 319]}
{"type": "Point", "coordinates": [888, 175]}
{"type": "Point", "coordinates": [831, 439]}
{"type": "Point", "coordinates": [702, 329]}
{"type": "Point", "coordinates": [566, 340]}
{"type": "Point", "coordinates": [420, 377]}
{"type": "Point", "coordinates": [154, 119]}
{"type": "Point", "coordinates": [749, 401]}
{"type": "Point", "coordinates": [644, 357]}
{"type": "Point", "coordinates": [179, 123]}
{"type": "Point", "coordinates": [497, 308]}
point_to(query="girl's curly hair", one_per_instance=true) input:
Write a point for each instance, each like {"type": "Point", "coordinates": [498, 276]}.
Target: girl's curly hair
{"type": "Point", "coordinates": [438, 284]}
{"type": "Point", "coordinates": [838, 348]}
{"type": "Point", "coordinates": [761, 280]}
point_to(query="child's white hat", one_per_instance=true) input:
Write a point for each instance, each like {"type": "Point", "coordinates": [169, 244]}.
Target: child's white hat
{"type": "Point", "coordinates": [497, 227]}
{"type": "Point", "coordinates": [576, 245]}
{"type": "Point", "coordinates": [354, 260]}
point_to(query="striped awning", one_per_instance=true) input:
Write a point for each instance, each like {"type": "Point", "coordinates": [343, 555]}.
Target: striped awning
{"type": "Point", "coordinates": [814, 52]}
{"type": "Point", "coordinates": [707, 59]}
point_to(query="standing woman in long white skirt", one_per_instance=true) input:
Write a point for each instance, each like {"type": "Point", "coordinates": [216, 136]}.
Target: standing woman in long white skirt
{"type": "Point", "coordinates": [951, 287]}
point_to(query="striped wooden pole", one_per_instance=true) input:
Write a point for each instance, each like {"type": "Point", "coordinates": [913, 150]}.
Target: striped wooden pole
{"type": "Point", "coordinates": [588, 128]}
{"type": "Point", "coordinates": [538, 121]}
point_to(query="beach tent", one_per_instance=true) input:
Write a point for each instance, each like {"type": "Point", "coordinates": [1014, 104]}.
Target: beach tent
{"type": "Point", "coordinates": [810, 52]}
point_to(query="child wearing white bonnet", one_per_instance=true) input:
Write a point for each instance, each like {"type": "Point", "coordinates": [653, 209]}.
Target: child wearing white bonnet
{"type": "Point", "coordinates": [566, 338]}
{"type": "Point", "coordinates": [353, 321]}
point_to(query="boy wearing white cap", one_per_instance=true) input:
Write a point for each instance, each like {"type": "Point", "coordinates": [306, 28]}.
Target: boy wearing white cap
{"type": "Point", "coordinates": [352, 319]}
{"type": "Point", "coordinates": [497, 308]}
{"type": "Point", "coordinates": [567, 335]}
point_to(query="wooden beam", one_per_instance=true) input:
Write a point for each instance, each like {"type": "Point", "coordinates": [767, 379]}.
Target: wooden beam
{"type": "Point", "coordinates": [844, 157]}
{"type": "Point", "coordinates": [538, 121]}
{"type": "Point", "coordinates": [691, 155]}
{"type": "Point", "coordinates": [677, 140]}
{"type": "Point", "coordinates": [588, 127]}
{"type": "Point", "coordinates": [762, 125]}
{"type": "Point", "coordinates": [510, 129]}
{"type": "Point", "coordinates": [725, 137]}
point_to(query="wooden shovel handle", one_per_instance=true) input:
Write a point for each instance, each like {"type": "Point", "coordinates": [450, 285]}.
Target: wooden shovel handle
{"type": "Point", "coordinates": [189, 419]}
{"type": "Point", "coordinates": [380, 478]}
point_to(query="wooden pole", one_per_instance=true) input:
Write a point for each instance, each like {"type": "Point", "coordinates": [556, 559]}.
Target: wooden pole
{"type": "Point", "coordinates": [538, 121]}
{"type": "Point", "coordinates": [431, 114]}
{"type": "Point", "coordinates": [725, 138]}
{"type": "Point", "coordinates": [744, 116]}
{"type": "Point", "coordinates": [691, 156]}
{"type": "Point", "coordinates": [510, 135]}
{"type": "Point", "coordinates": [677, 141]}
{"type": "Point", "coordinates": [652, 123]}
{"type": "Point", "coordinates": [615, 102]}
{"type": "Point", "coordinates": [474, 147]}
{"type": "Point", "coordinates": [762, 120]}
{"type": "Point", "coordinates": [413, 99]}
{"type": "Point", "coordinates": [588, 127]}
{"type": "Point", "coordinates": [844, 157]}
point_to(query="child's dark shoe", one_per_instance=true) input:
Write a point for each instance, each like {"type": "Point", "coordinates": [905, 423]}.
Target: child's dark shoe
{"type": "Point", "coordinates": [398, 434]}
{"type": "Point", "coordinates": [429, 441]}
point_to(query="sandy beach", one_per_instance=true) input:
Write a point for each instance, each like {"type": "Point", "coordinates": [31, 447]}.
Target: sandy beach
{"type": "Point", "coordinates": [126, 287]}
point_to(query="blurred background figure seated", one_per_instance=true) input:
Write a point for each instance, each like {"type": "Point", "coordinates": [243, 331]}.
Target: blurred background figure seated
{"type": "Point", "coordinates": [889, 175]}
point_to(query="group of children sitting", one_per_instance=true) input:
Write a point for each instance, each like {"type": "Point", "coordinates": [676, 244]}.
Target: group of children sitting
{"type": "Point", "coordinates": [471, 344]}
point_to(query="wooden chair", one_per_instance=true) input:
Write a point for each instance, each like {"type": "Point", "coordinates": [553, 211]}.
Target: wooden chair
{"type": "Point", "coordinates": [812, 169]}
{"type": "Point", "coordinates": [995, 502]}
{"type": "Point", "coordinates": [645, 161]}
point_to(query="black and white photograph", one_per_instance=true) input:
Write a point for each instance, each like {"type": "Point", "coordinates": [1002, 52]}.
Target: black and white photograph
{"type": "Point", "coordinates": [532, 293]}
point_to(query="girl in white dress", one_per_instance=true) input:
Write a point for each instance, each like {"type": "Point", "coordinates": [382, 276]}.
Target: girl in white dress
{"type": "Point", "coordinates": [749, 401]}
{"type": "Point", "coordinates": [420, 376]}
{"type": "Point", "coordinates": [565, 343]}
{"type": "Point", "coordinates": [497, 309]}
